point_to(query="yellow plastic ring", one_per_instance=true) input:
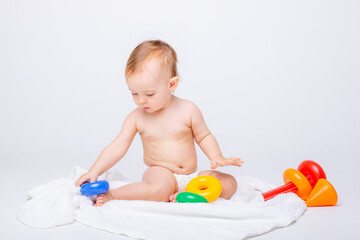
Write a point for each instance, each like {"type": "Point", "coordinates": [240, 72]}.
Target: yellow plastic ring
{"type": "Point", "coordinates": [299, 180]}
{"type": "Point", "coordinates": [207, 186]}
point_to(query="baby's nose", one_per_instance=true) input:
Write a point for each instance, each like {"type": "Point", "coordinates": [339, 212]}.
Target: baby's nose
{"type": "Point", "coordinates": [142, 100]}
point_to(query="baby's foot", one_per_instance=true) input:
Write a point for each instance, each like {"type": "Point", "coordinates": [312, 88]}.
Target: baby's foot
{"type": "Point", "coordinates": [172, 198]}
{"type": "Point", "coordinates": [103, 198]}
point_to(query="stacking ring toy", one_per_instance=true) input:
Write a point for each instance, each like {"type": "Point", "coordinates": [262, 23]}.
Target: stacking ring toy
{"type": "Point", "coordinates": [94, 188]}
{"type": "Point", "coordinates": [206, 186]}
{"type": "Point", "coordinates": [300, 181]}
{"type": "Point", "coordinates": [310, 169]}
{"type": "Point", "coordinates": [188, 197]}
{"type": "Point", "coordinates": [309, 183]}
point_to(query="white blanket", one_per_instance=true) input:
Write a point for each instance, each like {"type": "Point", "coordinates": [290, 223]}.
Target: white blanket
{"type": "Point", "coordinates": [245, 214]}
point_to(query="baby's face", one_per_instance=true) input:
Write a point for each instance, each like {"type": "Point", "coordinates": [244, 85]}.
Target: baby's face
{"type": "Point", "coordinates": [150, 87]}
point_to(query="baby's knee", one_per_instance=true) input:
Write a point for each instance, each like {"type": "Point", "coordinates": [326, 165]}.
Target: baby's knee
{"type": "Point", "coordinates": [228, 182]}
{"type": "Point", "coordinates": [229, 185]}
{"type": "Point", "coordinates": [160, 193]}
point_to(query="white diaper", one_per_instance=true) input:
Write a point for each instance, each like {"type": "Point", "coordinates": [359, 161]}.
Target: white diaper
{"type": "Point", "coordinates": [183, 180]}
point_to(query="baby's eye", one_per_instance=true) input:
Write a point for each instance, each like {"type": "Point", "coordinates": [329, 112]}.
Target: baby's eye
{"type": "Point", "coordinates": [134, 93]}
{"type": "Point", "coordinates": [150, 94]}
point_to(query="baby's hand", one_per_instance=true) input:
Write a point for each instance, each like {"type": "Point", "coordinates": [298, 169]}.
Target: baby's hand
{"type": "Point", "coordinates": [234, 161]}
{"type": "Point", "coordinates": [87, 177]}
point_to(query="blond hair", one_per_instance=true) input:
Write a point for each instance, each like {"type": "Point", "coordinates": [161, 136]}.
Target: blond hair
{"type": "Point", "coordinates": [149, 50]}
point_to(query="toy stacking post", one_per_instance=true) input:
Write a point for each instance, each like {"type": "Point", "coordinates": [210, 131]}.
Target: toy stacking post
{"type": "Point", "coordinates": [301, 181]}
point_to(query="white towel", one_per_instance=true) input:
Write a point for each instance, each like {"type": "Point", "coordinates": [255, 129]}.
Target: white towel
{"type": "Point", "coordinates": [245, 214]}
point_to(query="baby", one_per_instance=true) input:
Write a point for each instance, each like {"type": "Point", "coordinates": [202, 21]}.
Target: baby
{"type": "Point", "coordinates": [168, 126]}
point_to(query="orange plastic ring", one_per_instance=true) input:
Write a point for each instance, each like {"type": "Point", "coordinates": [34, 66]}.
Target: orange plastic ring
{"type": "Point", "coordinates": [299, 180]}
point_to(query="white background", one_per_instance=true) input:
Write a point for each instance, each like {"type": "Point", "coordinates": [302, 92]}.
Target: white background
{"type": "Point", "coordinates": [277, 82]}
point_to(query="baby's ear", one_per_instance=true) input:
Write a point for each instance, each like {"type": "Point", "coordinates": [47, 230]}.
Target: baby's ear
{"type": "Point", "coordinates": [173, 82]}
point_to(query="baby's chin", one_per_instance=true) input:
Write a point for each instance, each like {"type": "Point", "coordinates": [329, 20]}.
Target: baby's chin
{"type": "Point", "coordinates": [150, 110]}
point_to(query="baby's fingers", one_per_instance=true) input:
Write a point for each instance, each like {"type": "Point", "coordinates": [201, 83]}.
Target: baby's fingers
{"type": "Point", "coordinates": [81, 181]}
{"type": "Point", "coordinates": [214, 165]}
{"type": "Point", "coordinates": [78, 182]}
{"type": "Point", "coordinates": [93, 179]}
{"type": "Point", "coordinates": [235, 161]}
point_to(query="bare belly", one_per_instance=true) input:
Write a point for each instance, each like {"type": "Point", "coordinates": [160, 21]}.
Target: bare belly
{"type": "Point", "coordinates": [178, 157]}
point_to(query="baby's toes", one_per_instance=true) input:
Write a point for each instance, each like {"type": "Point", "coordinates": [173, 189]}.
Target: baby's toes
{"type": "Point", "coordinates": [99, 200]}
{"type": "Point", "coordinates": [172, 198]}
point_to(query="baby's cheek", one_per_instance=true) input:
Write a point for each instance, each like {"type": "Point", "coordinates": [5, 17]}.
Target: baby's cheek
{"type": "Point", "coordinates": [136, 102]}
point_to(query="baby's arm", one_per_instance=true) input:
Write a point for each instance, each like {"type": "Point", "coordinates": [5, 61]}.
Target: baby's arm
{"type": "Point", "coordinates": [207, 142]}
{"type": "Point", "coordinates": [113, 152]}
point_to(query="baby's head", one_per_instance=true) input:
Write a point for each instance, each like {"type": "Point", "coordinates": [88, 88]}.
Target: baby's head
{"type": "Point", "coordinates": [151, 74]}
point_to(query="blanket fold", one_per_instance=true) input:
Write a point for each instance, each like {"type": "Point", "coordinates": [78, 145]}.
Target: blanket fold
{"type": "Point", "coordinates": [246, 214]}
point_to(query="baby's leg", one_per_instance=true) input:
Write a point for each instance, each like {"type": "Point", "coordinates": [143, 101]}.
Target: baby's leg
{"type": "Point", "coordinates": [228, 182]}
{"type": "Point", "coordinates": [158, 184]}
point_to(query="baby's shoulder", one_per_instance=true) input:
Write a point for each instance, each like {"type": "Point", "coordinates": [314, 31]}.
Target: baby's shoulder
{"type": "Point", "coordinates": [186, 103]}
{"type": "Point", "coordinates": [134, 115]}
{"type": "Point", "coordinates": [188, 106]}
